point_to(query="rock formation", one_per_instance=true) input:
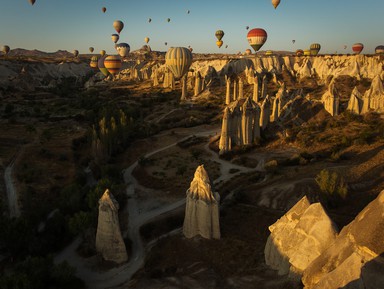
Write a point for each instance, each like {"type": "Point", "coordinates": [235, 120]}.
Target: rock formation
{"type": "Point", "coordinates": [373, 98]}
{"type": "Point", "coordinates": [355, 102]}
{"type": "Point", "coordinates": [241, 89]}
{"type": "Point", "coordinates": [202, 208]}
{"type": "Point", "coordinates": [331, 100]}
{"type": "Point", "coordinates": [265, 113]}
{"type": "Point", "coordinates": [198, 87]}
{"type": "Point", "coordinates": [228, 90]}
{"type": "Point", "coordinates": [355, 259]}
{"type": "Point", "coordinates": [240, 124]}
{"type": "Point", "coordinates": [109, 242]}
{"type": "Point", "coordinates": [256, 89]}
{"type": "Point", "coordinates": [298, 238]}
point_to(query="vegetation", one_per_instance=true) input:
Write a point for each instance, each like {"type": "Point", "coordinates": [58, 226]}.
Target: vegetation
{"type": "Point", "coordinates": [332, 187]}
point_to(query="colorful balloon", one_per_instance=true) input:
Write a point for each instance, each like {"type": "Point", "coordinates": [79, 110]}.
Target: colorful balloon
{"type": "Point", "coordinates": [379, 49]}
{"type": "Point", "coordinates": [190, 49]}
{"type": "Point", "coordinates": [219, 43]}
{"type": "Point", "coordinates": [118, 25]}
{"type": "Point", "coordinates": [103, 9]}
{"type": "Point", "coordinates": [178, 60]}
{"type": "Point", "coordinates": [91, 49]}
{"type": "Point", "coordinates": [32, 1]}
{"type": "Point", "coordinates": [123, 49]}
{"type": "Point", "coordinates": [299, 52]}
{"type": "Point", "coordinates": [146, 39]}
{"type": "Point", "coordinates": [168, 19]}
{"type": "Point", "coordinates": [256, 38]}
{"type": "Point", "coordinates": [101, 66]}
{"type": "Point", "coordinates": [219, 34]}
{"type": "Point", "coordinates": [5, 49]}
{"type": "Point", "coordinates": [275, 3]}
{"type": "Point", "coordinates": [94, 62]}
{"type": "Point", "coordinates": [307, 52]}
{"type": "Point", "coordinates": [115, 37]}
{"type": "Point", "coordinates": [315, 48]}
{"type": "Point", "coordinates": [357, 48]}
{"type": "Point", "coordinates": [113, 64]}
{"type": "Point", "coordinates": [102, 52]}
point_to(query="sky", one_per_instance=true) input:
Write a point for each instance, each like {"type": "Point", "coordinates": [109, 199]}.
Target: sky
{"type": "Point", "coordinates": [51, 25]}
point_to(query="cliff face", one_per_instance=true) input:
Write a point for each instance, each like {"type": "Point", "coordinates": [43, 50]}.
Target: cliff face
{"type": "Point", "coordinates": [356, 258]}
{"type": "Point", "coordinates": [202, 208]}
{"type": "Point", "coordinates": [298, 238]}
{"type": "Point", "coordinates": [109, 242]}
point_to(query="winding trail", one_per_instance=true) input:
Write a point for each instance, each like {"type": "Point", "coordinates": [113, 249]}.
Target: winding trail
{"type": "Point", "coordinates": [116, 277]}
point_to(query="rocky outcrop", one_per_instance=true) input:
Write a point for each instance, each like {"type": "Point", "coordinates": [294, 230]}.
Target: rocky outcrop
{"type": "Point", "coordinates": [355, 260]}
{"type": "Point", "coordinates": [373, 98]}
{"type": "Point", "coordinates": [265, 113]}
{"type": "Point", "coordinates": [355, 102]}
{"type": "Point", "coordinates": [331, 99]}
{"type": "Point", "coordinates": [202, 208]}
{"type": "Point", "coordinates": [109, 241]}
{"type": "Point", "coordinates": [298, 238]}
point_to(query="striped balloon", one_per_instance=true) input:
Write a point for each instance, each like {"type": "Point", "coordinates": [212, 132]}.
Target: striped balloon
{"type": "Point", "coordinates": [113, 64]}
{"type": "Point", "coordinates": [94, 62]}
{"type": "Point", "coordinates": [256, 38]}
{"type": "Point", "coordinates": [123, 49]}
{"type": "Point", "coordinates": [315, 48]}
{"type": "Point", "coordinates": [357, 48]}
{"type": "Point", "coordinates": [118, 25]}
{"type": "Point", "coordinates": [307, 52]}
{"type": "Point", "coordinates": [101, 65]}
{"type": "Point", "coordinates": [299, 52]}
{"type": "Point", "coordinates": [115, 37]}
{"type": "Point", "coordinates": [219, 34]}
{"type": "Point", "coordinates": [178, 60]}
{"type": "Point", "coordinates": [379, 49]}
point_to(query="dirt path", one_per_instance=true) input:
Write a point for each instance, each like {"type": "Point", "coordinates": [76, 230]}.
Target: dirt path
{"type": "Point", "coordinates": [115, 277]}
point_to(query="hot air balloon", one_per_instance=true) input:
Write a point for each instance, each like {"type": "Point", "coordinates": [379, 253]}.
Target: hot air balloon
{"type": "Point", "coordinates": [357, 48]}
{"type": "Point", "coordinates": [5, 49]}
{"type": "Point", "coordinates": [219, 43]}
{"type": "Point", "coordinates": [32, 1]}
{"type": "Point", "coordinates": [103, 9]}
{"type": "Point", "coordinates": [379, 49]}
{"type": "Point", "coordinates": [219, 34]}
{"type": "Point", "coordinates": [113, 64]}
{"type": "Point", "coordinates": [168, 19]}
{"type": "Point", "coordinates": [293, 41]}
{"type": "Point", "coordinates": [247, 27]}
{"type": "Point", "coordinates": [149, 20]}
{"type": "Point", "coordinates": [178, 60]}
{"type": "Point", "coordinates": [315, 48]}
{"type": "Point", "coordinates": [115, 37]}
{"type": "Point", "coordinates": [307, 52]}
{"type": "Point", "coordinates": [94, 62]}
{"type": "Point", "coordinates": [226, 46]}
{"type": "Point", "coordinates": [248, 51]}
{"type": "Point", "coordinates": [101, 66]}
{"type": "Point", "coordinates": [146, 39]}
{"type": "Point", "coordinates": [188, 11]}
{"type": "Point", "coordinates": [75, 52]}
{"type": "Point", "coordinates": [256, 38]}
{"type": "Point", "coordinates": [91, 49]}
{"type": "Point", "coordinates": [166, 43]}
{"type": "Point", "coordinates": [123, 49]}
{"type": "Point", "coordinates": [102, 52]}
{"type": "Point", "coordinates": [118, 25]}
{"type": "Point", "coordinates": [299, 52]}
{"type": "Point", "coordinates": [275, 3]}
{"type": "Point", "coordinates": [268, 52]}
{"type": "Point", "coordinates": [190, 49]}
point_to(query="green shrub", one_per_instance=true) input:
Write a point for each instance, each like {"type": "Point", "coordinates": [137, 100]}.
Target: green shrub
{"type": "Point", "coordinates": [332, 186]}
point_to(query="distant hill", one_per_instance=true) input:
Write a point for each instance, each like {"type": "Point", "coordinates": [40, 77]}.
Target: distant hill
{"type": "Point", "coordinates": [38, 53]}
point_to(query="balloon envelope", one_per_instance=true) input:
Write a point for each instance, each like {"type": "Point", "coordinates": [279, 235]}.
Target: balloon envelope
{"type": "Point", "coordinates": [91, 49]}
{"type": "Point", "coordinates": [178, 60]}
{"type": "Point", "coordinates": [315, 48]}
{"type": "Point", "coordinates": [103, 9]}
{"type": "Point", "coordinates": [307, 52]}
{"type": "Point", "coordinates": [168, 19]}
{"type": "Point", "coordinates": [379, 49]}
{"type": "Point", "coordinates": [219, 34]}
{"type": "Point", "coordinates": [146, 39]}
{"type": "Point", "coordinates": [32, 1]}
{"type": "Point", "coordinates": [275, 3]}
{"type": "Point", "coordinates": [115, 37]}
{"type": "Point", "coordinates": [256, 38]}
{"type": "Point", "coordinates": [101, 65]}
{"type": "Point", "coordinates": [113, 64]}
{"type": "Point", "coordinates": [5, 49]}
{"type": "Point", "coordinates": [149, 20]}
{"type": "Point", "coordinates": [299, 52]}
{"type": "Point", "coordinates": [219, 43]}
{"type": "Point", "coordinates": [123, 49]}
{"type": "Point", "coordinates": [102, 52]}
{"type": "Point", "coordinates": [357, 48]}
{"type": "Point", "coordinates": [75, 53]}
{"type": "Point", "coordinates": [94, 62]}
{"type": "Point", "coordinates": [118, 25]}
